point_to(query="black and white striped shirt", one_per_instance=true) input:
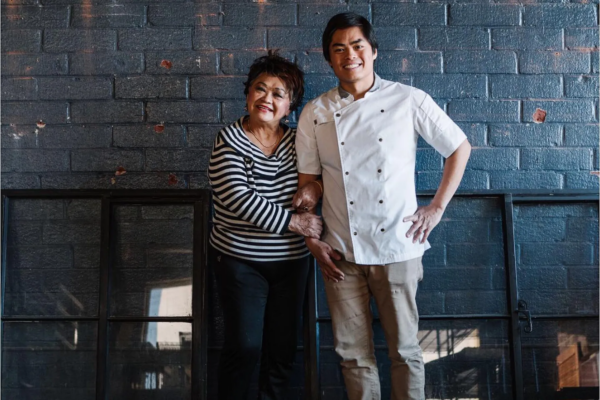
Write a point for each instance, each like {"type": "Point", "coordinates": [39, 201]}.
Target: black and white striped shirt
{"type": "Point", "coordinates": [252, 196]}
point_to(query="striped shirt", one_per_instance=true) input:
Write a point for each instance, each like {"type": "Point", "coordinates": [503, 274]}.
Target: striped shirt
{"type": "Point", "coordinates": [252, 196]}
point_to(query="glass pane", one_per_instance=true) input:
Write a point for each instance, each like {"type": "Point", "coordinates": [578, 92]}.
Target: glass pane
{"type": "Point", "coordinates": [463, 360]}
{"type": "Point", "coordinates": [150, 360]}
{"type": "Point", "coordinates": [557, 249]}
{"type": "Point", "coordinates": [49, 360]}
{"type": "Point", "coordinates": [152, 268]}
{"type": "Point", "coordinates": [464, 269]}
{"type": "Point", "coordinates": [53, 257]}
{"type": "Point", "coordinates": [560, 356]}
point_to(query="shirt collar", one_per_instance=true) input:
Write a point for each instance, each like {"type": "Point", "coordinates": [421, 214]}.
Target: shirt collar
{"type": "Point", "coordinates": [376, 85]}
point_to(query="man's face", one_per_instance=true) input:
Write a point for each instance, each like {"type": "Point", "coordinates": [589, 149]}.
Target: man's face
{"type": "Point", "coordinates": [351, 55]}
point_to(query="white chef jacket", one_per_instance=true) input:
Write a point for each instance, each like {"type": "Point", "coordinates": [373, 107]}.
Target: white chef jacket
{"type": "Point", "coordinates": [365, 151]}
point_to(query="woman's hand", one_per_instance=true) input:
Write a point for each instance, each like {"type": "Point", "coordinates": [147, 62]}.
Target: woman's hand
{"type": "Point", "coordinates": [324, 254]}
{"type": "Point", "coordinates": [424, 220]}
{"type": "Point", "coordinates": [307, 197]}
{"type": "Point", "coordinates": [306, 224]}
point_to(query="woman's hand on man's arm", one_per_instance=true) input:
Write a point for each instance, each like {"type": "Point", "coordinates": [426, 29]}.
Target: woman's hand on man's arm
{"type": "Point", "coordinates": [310, 190]}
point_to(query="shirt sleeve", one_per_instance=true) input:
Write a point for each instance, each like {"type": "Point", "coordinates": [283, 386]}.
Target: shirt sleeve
{"type": "Point", "coordinates": [307, 151]}
{"type": "Point", "coordinates": [228, 179]}
{"type": "Point", "coordinates": [435, 126]}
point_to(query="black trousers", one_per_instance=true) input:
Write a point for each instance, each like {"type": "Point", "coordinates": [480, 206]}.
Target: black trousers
{"type": "Point", "coordinates": [262, 310]}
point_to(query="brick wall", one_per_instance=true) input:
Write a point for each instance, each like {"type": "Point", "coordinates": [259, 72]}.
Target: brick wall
{"type": "Point", "coordinates": [100, 77]}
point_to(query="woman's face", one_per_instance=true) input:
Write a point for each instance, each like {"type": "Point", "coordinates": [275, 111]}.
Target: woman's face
{"type": "Point", "coordinates": [268, 99]}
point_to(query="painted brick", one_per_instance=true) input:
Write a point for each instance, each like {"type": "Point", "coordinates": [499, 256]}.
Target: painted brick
{"type": "Point", "coordinates": [31, 112]}
{"type": "Point", "coordinates": [525, 180]}
{"type": "Point", "coordinates": [142, 136]}
{"type": "Point", "coordinates": [177, 160]}
{"type": "Point", "coordinates": [230, 38]}
{"type": "Point", "coordinates": [556, 254]}
{"type": "Point", "coordinates": [232, 110]}
{"type": "Point", "coordinates": [106, 63]}
{"type": "Point", "coordinates": [184, 15]}
{"type": "Point", "coordinates": [475, 302]}
{"type": "Point", "coordinates": [454, 39]}
{"type": "Point", "coordinates": [260, 14]}
{"type": "Point", "coordinates": [494, 159]}
{"type": "Point", "coordinates": [106, 160]}
{"type": "Point", "coordinates": [312, 62]}
{"type": "Point", "coordinates": [27, 64]}
{"type": "Point", "coordinates": [493, 62]}
{"type": "Point", "coordinates": [540, 230]}
{"type": "Point", "coordinates": [202, 136]}
{"type": "Point", "coordinates": [182, 112]}
{"type": "Point", "coordinates": [26, 160]}
{"type": "Point", "coordinates": [472, 180]}
{"type": "Point", "coordinates": [217, 87]}
{"type": "Point", "coordinates": [457, 279]}
{"type": "Point", "coordinates": [239, 62]}
{"type": "Point", "coordinates": [548, 62]}
{"type": "Point", "coordinates": [556, 210]}
{"type": "Point", "coordinates": [525, 135]}
{"type": "Point", "coordinates": [475, 254]}
{"type": "Point", "coordinates": [319, 14]}
{"type": "Point", "coordinates": [73, 136]}
{"type": "Point", "coordinates": [476, 133]}
{"type": "Point", "coordinates": [103, 181]}
{"type": "Point", "coordinates": [108, 16]}
{"type": "Point", "coordinates": [484, 14]}
{"type": "Point", "coordinates": [71, 40]}
{"type": "Point", "coordinates": [428, 159]}
{"type": "Point", "coordinates": [199, 181]}
{"type": "Point", "coordinates": [21, 41]}
{"type": "Point", "coordinates": [556, 159]}
{"type": "Point", "coordinates": [582, 278]}
{"type": "Point", "coordinates": [22, 16]}
{"type": "Point", "coordinates": [560, 15]}
{"type": "Point", "coordinates": [526, 86]}
{"type": "Point", "coordinates": [581, 135]}
{"type": "Point", "coordinates": [295, 38]}
{"type": "Point", "coordinates": [392, 38]}
{"type": "Point", "coordinates": [315, 85]}
{"type": "Point", "coordinates": [484, 111]}
{"type": "Point", "coordinates": [581, 180]}
{"type": "Point", "coordinates": [151, 87]}
{"type": "Point", "coordinates": [19, 89]}
{"type": "Point", "coordinates": [19, 136]}
{"type": "Point", "coordinates": [581, 86]}
{"type": "Point", "coordinates": [182, 62]}
{"type": "Point", "coordinates": [561, 111]}
{"type": "Point", "coordinates": [581, 39]}
{"type": "Point", "coordinates": [401, 62]}
{"type": "Point", "coordinates": [421, 14]}
{"type": "Point", "coordinates": [75, 88]}
{"type": "Point", "coordinates": [595, 62]}
{"type": "Point", "coordinates": [100, 112]}
{"type": "Point", "coordinates": [547, 278]}
{"type": "Point", "coordinates": [155, 39]}
{"type": "Point", "coordinates": [519, 38]}
{"type": "Point", "coordinates": [582, 230]}
{"type": "Point", "coordinates": [450, 86]}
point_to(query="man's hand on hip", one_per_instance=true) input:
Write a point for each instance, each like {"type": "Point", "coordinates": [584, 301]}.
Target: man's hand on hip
{"type": "Point", "coordinates": [324, 254]}
{"type": "Point", "coordinates": [424, 220]}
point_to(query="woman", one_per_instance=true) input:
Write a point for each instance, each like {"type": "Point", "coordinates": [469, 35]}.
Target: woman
{"type": "Point", "coordinates": [257, 246]}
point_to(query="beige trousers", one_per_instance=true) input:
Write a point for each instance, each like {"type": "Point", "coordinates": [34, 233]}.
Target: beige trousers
{"type": "Point", "coordinates": [394, 287]}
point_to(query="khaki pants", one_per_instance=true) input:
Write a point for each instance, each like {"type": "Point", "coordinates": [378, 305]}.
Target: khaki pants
{"type": "Point", "coordinates": [394, 287]}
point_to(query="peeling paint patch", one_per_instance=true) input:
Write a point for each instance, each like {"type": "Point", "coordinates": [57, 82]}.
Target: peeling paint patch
{"type": "Point", "coordinates": [159, 128]}
{"type": "Point", "coordinates": [120, 171]}
{"type": "Point", "coordinates": [166, 64]}
{"type": "Point", "coordinates": [539, 116]}
{"type": "Point", "coordinates": [597, 173]}
{"type": "Point", "coordinates": [172, 180]}
{"type": "Point", "coordinates": [41, 124]}
{"type": "Point", "coordinates": [113, 181]}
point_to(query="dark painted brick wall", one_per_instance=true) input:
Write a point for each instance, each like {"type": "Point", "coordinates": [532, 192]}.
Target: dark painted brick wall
{"type": "Point", "coordinates": [94, 74]}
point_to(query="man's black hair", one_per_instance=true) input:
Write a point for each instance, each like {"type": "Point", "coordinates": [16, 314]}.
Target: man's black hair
{"type": "Point", "coordinates": [344, 21]}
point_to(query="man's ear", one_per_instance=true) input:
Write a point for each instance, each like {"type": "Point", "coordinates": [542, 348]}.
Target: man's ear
{"type": "Point", "coordinates": [374, 54]}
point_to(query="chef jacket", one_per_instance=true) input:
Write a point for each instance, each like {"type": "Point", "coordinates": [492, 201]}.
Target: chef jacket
{"type": "Point", "coordinates": [365, 151]}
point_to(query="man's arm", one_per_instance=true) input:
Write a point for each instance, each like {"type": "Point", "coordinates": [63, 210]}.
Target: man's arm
{"type": "Point", "coordinates": [310, 190]}
{"type": "Point", "coordinates": [426, 218]}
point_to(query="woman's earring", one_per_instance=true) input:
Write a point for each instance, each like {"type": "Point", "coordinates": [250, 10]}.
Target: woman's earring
{"type": "Point", "coordinates": [246, 107]}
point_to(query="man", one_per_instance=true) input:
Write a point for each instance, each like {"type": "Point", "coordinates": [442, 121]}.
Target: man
{"type": "Point", "coordinates": [361, 137]}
